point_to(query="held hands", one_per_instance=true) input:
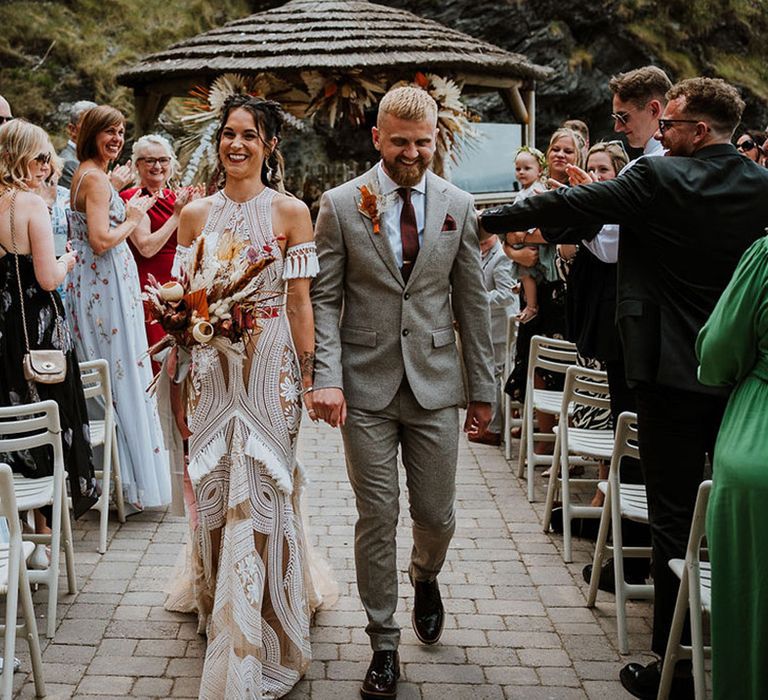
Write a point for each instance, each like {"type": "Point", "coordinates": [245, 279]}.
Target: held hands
{"type": "Point", "coordinates": [577, 176]}
{"type": "Point", "coordinates": [121, 176]}
{"type": "Point", "coordinates": [137, 206]}
{"type": "Point", "coordinates": [328, 405]}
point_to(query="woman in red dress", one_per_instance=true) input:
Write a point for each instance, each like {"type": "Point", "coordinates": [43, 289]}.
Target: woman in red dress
{"type": "Point", "coordinates": [156, 165]}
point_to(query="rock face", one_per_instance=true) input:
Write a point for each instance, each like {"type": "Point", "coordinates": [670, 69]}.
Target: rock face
{"type": "Point", "coordinates": [588, 41]}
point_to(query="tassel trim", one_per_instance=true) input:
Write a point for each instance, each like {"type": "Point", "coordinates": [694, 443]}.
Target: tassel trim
{"type": "Point", "coordinates": [181, 259]}
{"type": "Point", "coordinates": [301, 261]}
{"type": "Point", "coordinates": [274, 465]}
{"type": "Point", "coordinates": [205, 461]}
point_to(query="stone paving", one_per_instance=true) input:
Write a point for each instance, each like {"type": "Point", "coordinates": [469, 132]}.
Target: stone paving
{"type": "Point", "coordinates": [516, 623]}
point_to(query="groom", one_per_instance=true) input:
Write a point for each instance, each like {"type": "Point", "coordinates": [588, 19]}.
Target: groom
{"type": "Point", "coordinates": [399, 262]}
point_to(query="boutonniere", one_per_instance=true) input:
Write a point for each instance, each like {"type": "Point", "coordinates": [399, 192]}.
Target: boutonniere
{"type": "Point", "coordinates": [373, 204]}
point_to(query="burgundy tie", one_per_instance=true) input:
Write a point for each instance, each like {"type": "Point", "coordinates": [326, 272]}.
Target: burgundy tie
{"type": "Point", "coordinates": [409, 232]}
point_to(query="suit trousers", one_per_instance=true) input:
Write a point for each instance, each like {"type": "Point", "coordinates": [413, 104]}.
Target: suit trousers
{"type": "Point", "coordinates": [677, 429]}
{"type": "Point", "coordinates": [429, 442]}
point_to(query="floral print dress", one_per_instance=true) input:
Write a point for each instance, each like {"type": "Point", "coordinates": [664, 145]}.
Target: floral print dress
{"type": "Point", "coordinates": [47, 329]}
{"type": "Point", "coordinates": [107, 316]}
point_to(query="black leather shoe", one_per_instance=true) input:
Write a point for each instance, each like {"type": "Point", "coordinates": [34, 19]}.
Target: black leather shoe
{"type": "Point", "coordinates": [428, 615]}
{"type": "Point", "coordinates": [381, 677]}
{"type": "Point", "coordinates": [608, 577]}
{"type": "Point", "coordinates": [643, 682]}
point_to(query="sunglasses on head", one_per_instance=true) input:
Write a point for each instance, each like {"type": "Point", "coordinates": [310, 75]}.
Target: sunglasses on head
{"type": "Point", "coordinates": [3, 120]}
{"type": "Point", "coordinates": [42, 158]}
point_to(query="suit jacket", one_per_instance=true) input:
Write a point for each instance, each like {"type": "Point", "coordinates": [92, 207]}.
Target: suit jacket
{"type": "Point", "coordinates": [685, 222]}
{"type": "Point", "coordinates": [372, 329]}
{"type": "Point", "coordinates": [69, 155]}
{"type": "Point", "coordinates": [499, 281]}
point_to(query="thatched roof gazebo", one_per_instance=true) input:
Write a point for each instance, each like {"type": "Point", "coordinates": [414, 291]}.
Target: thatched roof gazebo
{"type": "Point", "coordinates": [330, 37]}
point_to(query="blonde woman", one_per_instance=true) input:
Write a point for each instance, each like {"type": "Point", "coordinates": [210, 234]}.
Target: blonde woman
{"type": "Point", "coordinates": [29, 276]}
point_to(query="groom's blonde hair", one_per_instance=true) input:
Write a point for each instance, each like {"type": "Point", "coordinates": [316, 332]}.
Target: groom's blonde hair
{"type": "Point", "coordinates": [409, 102]}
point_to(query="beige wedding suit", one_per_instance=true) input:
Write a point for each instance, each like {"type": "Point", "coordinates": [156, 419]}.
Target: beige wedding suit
{"type": "Point", "coordinates": [391, 347]}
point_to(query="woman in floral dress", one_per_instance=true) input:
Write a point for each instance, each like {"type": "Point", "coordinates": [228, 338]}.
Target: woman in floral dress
{"type": "Point", "coordinates": [104, 303]}
{"type": "Point", "coordinates": [250, 555]}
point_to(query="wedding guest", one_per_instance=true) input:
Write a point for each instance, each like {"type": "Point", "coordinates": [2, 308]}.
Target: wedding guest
{"type": "Point", "coordinates": [5, 111]}
{"type": "Point", "coordinates": [500, 286]}
{"type": "Point", "coordinates": [156, 165]}
{"type": "Point", "coordinates": [68, 154]}
{"type": "Point", "coordinates": [693, 200]}
{"type": "Point", "coordinates": [733, 353]}
{"type": "Point", "coordinates": [580, 128]}
{"type": "Point", "coordinates": [105, 309]}
{"type": "Point", "coordinates": [749, 145]}
{"type": "Point", "coordinates": [32, 313]}
{"type": "Point", "coordinates": [565, 148]}
{"type": "Point", "coordinates": [530, 164]}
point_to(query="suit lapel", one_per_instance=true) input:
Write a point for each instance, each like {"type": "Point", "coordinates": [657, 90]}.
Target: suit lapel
{"type": "Point", "coordinates": [436, 207]}
{"type": "Point", "coordinates": [379, 240]}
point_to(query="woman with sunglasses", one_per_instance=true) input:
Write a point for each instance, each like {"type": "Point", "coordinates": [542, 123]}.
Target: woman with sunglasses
{"type": "Point", "coordinates": [104, 302]}
{"type": "Point", "coordinates": [748, 144]}
{"type": "Point", "coordinates": [156, 166]}
{"type": "Point", "coordinates": [30, 272]}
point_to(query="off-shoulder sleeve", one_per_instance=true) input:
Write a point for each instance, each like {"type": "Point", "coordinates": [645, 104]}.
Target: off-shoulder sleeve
{"type": "Point", "coordinates": [181, 259]}
{"type": "Point", "coordinates": [727, 346]}
{"type": "Point", "coordinates": [301, 261]}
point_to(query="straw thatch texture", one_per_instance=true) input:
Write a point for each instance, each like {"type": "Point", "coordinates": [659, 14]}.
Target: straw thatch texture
{"type": "Point", "coordinates": [329, 35]}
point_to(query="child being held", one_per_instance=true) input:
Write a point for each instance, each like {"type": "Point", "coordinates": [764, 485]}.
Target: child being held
{"type": "Point", "coordinates": [530, 166]}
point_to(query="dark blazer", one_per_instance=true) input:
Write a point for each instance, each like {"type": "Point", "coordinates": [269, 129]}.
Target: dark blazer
{"type": "Point", "coordinates": [685, 223]}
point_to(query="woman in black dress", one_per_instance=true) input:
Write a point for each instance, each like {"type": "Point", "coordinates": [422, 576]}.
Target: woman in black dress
{"type": "Point", "coordinates": [29, 275]}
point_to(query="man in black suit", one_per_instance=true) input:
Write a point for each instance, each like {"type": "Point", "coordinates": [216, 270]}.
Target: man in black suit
{"type": "Point", "coordinates": [685, 221]}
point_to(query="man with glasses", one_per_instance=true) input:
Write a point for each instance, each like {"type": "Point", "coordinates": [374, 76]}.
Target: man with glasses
{"type": "Point", "coordinates": [5, 111]}
{"type": "Point", "coordinates": [685, 220]}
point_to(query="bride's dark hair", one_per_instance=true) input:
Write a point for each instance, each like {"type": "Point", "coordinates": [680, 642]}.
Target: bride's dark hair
{"type": "Point", "coordinates": [268, 117]}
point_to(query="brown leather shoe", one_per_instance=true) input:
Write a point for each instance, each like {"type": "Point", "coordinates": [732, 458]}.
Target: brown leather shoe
{"type": "Point", "coordinates": [381, 678]}
{"type": "Point", "coordinates": [486, 438]}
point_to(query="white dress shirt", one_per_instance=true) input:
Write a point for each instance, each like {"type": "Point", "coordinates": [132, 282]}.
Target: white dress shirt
{"type": "Point", "coordinates": [390, 216]}
{"type": "Point", "coordinates": [605, 245]}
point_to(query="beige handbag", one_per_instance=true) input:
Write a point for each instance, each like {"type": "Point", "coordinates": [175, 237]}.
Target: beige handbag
{"type": "Point", "coordinates": [43, 366]}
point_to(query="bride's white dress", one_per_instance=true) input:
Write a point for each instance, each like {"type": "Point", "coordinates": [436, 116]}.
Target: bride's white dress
{"type": "Point", "coordinates": [252, 582]}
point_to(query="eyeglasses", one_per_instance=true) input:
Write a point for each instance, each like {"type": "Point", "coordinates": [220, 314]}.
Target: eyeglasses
{"type": "Point", "coordinates": [747, 145]}
{"type": "Point", "coordinates": [151, 161]}
{"type": "Point", "coordinates": [42, 158]}
{"type": "Point", "coordinates": [665, 124]}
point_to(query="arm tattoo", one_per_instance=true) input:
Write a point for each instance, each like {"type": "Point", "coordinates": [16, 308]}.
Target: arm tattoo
{"type": "Point", "coordinates": [307, 364]}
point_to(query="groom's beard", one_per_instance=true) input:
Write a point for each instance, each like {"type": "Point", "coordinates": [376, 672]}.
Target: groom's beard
{"type": "Point", "coordinates": [406, 175]}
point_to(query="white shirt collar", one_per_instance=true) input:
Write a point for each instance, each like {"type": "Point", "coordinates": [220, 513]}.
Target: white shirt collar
{"type": "Point", "coordinates": [653, 147]}
{"type": "Point", "coordinates": [72, 144]}
{"type": "Point", "coordinates": [388, 185]}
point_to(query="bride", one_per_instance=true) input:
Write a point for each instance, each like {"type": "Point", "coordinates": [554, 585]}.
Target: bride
{"type": "Point", "coordinates": [250, 569]}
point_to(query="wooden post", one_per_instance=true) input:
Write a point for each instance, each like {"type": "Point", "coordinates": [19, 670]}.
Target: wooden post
{"type": "Point", "coordinates": [147, 108]}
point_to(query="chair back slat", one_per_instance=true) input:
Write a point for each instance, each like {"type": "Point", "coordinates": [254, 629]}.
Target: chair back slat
{"type": "Point", "coordinates": [29, 425]}
{"type": "Point", "coordinates": [586, 387]}
{"type": "Point", "coordinates": [626, 440]}
{"type": "Point", "coordinates": [96, 383]}
{"type": "Point", "coordinates": [550, 354]}
{"type": "Point", "coordinates": [8, 509]}
{"type": "Point", "coordinates": [698, 523]}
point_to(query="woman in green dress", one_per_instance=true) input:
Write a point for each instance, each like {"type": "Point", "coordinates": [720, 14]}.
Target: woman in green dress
{"type": "Point", "coordinates": [733, 350]}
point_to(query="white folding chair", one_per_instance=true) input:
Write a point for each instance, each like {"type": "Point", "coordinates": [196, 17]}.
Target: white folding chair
{"type": "Point", "coordinates": [621, 501]}
{"type": "Point", "coordinates": [22, 428]}
{"type": "Point", "coordinates": [96, 385]}
{"type": "Point", "coordinates": [695, 594]}
{"type": "Point", "coordinates": [14, 585]}
{"type": "Point", "coordinates": [554, 356]}
{"type": "Point", "coordinates": [586, 387]}
{"type": "Point", "coordinates": [509, 404]}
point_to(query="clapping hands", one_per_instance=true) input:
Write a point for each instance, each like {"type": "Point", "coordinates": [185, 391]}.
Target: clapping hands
{"type": "Point", "coordinates": [122, 176]}
{"type": "Point", "coordinates": [185, 195]}
{"type": "Point", "coordinates": [578, 176]}
{"type": "Point", "coordinates": [137, 206]}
